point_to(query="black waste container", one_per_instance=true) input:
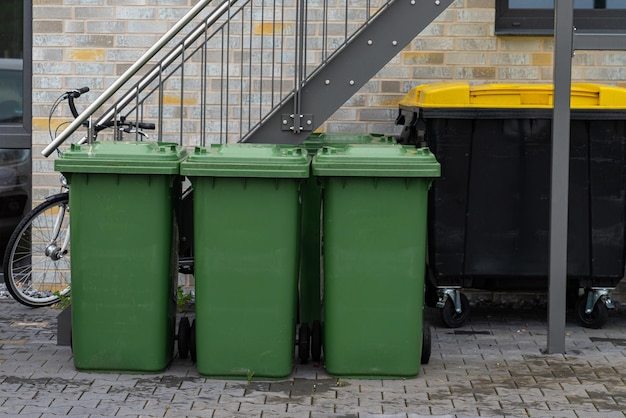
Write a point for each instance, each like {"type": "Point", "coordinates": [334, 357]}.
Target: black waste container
{"type": "Point", "coordinates": [489, 211]}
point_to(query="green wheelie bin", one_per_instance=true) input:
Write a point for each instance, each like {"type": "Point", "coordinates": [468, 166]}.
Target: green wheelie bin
{"type": "Point", "coordinates": [123, 234]}
{"type": "Point", "coordinates": [309, 312]}
{"type": "Point", "coordinates": [374, 226]}
{"type": "Point", "coordinates": [246, 228]}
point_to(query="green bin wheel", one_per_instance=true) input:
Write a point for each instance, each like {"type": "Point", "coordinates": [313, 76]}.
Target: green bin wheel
{"type": "Point", "coordinates": [184, 331]}
{"type": "Point", "coordinates": [451, 317]}
{"type": "Point", "coordinates": [192, 341]}
{"type": "Point", "coordinates": [596, 318]}
{"type": "Point", "coordinates": [304, 343]}
{"type": "Point", "coordinates": [426, 343]}
{"type": "Point", "coordinates": [316, 341]}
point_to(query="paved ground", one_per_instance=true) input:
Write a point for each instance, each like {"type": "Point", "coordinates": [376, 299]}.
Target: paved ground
{"type": "Point", "coordinates": [491, 367]}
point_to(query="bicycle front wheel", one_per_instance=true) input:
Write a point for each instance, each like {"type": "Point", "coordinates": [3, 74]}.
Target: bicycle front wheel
{"type": "Point", "coordinates": [37, 258]}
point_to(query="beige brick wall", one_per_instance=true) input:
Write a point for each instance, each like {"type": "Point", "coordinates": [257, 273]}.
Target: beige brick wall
{"type": "Point", "coordinates": [91, 42]}
{"type": "Point", "coordinates": [461, 45]}
{"type": "Point", "coordinates": [86, 43]}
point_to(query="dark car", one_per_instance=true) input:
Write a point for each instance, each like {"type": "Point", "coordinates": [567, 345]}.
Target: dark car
{"type": "Point", "coordinates": [15, 163]}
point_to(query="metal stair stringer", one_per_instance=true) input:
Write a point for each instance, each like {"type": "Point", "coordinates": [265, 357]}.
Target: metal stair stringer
{"type": "Point", "coordinates": [321, 94]}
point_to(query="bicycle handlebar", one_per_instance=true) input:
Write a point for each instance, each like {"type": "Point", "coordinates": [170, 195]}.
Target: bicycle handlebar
{"type": "Point", "coordinates": [128, 126]}
{"type": "Point", "coordinates": [122, 122]}
{"type": "Point", "coordinates": [78, 92]}
{"type": "Point", "coordinates": [75, 94]}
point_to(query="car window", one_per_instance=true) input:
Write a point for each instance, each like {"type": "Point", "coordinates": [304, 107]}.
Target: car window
{"type": "Point", "coordinates": [10, 91]}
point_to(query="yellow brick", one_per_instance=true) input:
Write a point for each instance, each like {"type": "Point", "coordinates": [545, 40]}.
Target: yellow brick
{"type": "Point", "coordinates": [13, 342]}
{"type": "Point", "coordinates": [41, 124]}
{"type": "Point", "coordinates": [412, 58]}
{"type": "Point", "coordinates": [171, 99]}
{"type": "Point", "coordinates": [271, 28]}
{"type": "Point", "coordinates": [42, 324]}
{"type": "Point", "coordinates": [88, 55]}
{"type": "Point", "coordinates": [385, 100]}
{"type": "Point", "coordinates": [541, 59]}
{"type": "Point", "coordinates": [484, 72]}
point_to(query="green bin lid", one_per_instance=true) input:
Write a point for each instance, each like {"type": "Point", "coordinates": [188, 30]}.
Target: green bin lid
{"type": "Point", "coordinates": [358, 160]}
{"type": "Point", "coordinates": [122, 157]}
{"type": "Point", "coordinates": [247, 160]}
{"type": "Point", "coordinates": [317, 140]}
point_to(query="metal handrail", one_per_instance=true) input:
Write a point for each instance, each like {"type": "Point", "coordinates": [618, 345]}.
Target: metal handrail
{"type": "Point", "coordinates": [166, 61]}
{"type": "Point", "coordinates": [108, 93]}
{"type": "Point", "coordinates": [245, 64]}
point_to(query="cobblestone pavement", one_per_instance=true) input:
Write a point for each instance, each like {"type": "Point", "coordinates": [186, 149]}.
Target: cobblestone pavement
{"type": "Point", "coordinates": [493, 366]}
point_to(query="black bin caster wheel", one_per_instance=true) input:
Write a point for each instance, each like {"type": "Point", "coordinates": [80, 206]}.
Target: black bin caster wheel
{"type": "Point", "coordinates": [596, 318]}
{"type": "Point", "coordinates": [426, 343]}
{"type": "Point", "coordinates": [184, 333]}
{"type": "Point", "coordinates": [304, 343]}
{"type": "Point", "coordinates": [192, 341]}
{"type": "Point", "coordinates": [451, 317]}
{"type": "Point", "coordinates": [316, 341]}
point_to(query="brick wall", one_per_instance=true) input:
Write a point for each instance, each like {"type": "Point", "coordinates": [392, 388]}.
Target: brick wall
{"type": "Point", "coordinates": [86, 43]}
{"type": "Point", "coordinates": [91, 42]}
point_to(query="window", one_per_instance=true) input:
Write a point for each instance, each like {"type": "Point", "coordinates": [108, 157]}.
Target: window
{"type": "Point", "coordinates": [15, 115]}
{"type": "Point", "coordinates": [536, 17]}
{"type": "Point", "coordinates": [15, 70]}
{"type": "Point", "coordinates": [11, 95]}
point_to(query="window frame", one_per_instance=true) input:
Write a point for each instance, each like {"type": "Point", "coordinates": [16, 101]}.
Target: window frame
{"type": "Point", "coordinates": [541, 21]}
{"type": "Point", "coordinates": [19, 135]}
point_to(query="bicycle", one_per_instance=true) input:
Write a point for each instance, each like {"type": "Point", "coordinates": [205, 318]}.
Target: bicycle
{"type": "Point", "coordinates": [37, 269]}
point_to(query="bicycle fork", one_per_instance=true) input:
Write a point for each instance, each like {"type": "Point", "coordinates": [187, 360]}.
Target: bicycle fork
{"type": "Point", "coordinates": [53, 250]}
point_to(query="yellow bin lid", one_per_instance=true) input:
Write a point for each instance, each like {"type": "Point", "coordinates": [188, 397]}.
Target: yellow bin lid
{"type": "Point", "coordinates": [462, 95]}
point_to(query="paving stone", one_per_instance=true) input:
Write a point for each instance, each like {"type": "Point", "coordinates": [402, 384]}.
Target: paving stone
{"type": "Point", "coordinates": [272, 414]}
{"type": "Point", "coordinates": [109, 404]}
{"type": "Point", "coordinates": [205, 413]}
{"type": "Point", "coordinates": [310, 410]}
{"type": "Point", "coordinates": [230, 414]}
{"type": "Point", "coordinates": [604, 414]}
{"type": "Point", "coordinates": [265, 408]}
{"type": "Point", "coordinates": [56, 410]}
{"type": "Point", "coordinates": [498, 373]}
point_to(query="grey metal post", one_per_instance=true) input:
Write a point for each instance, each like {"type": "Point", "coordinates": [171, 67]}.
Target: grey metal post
{"type": "Point", "coordinates": [563, 48]}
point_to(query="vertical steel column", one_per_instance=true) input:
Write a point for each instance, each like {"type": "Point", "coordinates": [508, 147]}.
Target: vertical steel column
{"type": "Point", "coordinates": [559, 195]}
{"type": "Point", "coordinates": [300, 56]}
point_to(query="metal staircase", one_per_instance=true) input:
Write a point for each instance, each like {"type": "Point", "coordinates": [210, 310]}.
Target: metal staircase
{"type": "Point", "coordinates": [257, 71]}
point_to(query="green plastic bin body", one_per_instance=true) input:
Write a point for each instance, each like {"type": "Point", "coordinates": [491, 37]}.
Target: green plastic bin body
{"type": "Point", "coordinates": [246, 227]}
{"type": "Point", "coordinates": [310, 265]}
{"type": "Point", "coordinates": [374, 223]}
{"type": "Point", "coordinates": [124, 267]}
